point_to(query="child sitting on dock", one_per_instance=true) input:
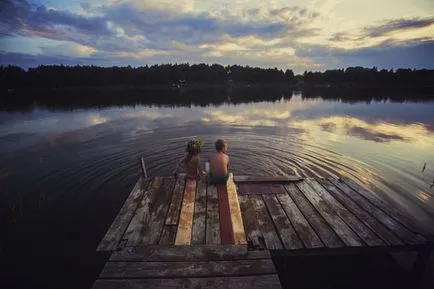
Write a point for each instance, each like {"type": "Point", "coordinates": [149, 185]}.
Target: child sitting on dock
{"type": "Point", "coordinates": [219, 164]}
{"type": "Point", "coordinates": [191, 160]}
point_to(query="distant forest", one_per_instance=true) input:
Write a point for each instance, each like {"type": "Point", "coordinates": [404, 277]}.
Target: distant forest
{"type": "Point", "coordinates": [70, 87]}
{"type": "Point", "coordinates": [59, 76]}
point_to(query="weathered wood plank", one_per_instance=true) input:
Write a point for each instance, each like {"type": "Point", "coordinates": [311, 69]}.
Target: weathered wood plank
{"type": "Point", "coordinates": [250, 221]}
{"type": "Point", "coordinates": [150, 232]}
{"type": "Point", "coordinates": [284, 227]}
{"type": "Point", "coordinates": [307, 235]}
{"type": "Point", "coordinates": [168, 235]}
{"type": "Point", "coordinates": [266, 226]}
{"type": "Point", "coordinates": [403, 233]}
{"type": "Point", "coordinates": [239, 282]}
{"type": "Point", "coordinates": [280, 179]}
{"type": "Point", "coordinates": [327, 235]}
{"type": "Point", "coordinates": [254, 188]}
{"type": "Point", "coordinates": [276, 188]}
{"type": "Point", "coordinates": [185, 224]}
{"type": "Point", "coordinates": [187, 269]}
{"type": "Point", "coordinates": [199, 218]}
{"type": "Point", "coordinates": [239, 235]}
{"type": "Point", "coordinates": [226, 233]}
{"type": "Point", "coordinates": [120, 223]}
{"type": "Point", "coordinates": [175, 205]}
{"type": "Point", "coordinates": [369, 237]}
{"type": "Point", "coordinates": [385, 234]}
{"type": "Point", "coordinates": [335, 222]}
{"type": "Point", "coordinates": [212, 216]}
{"type": "Point", "coordinates": [188, 253]}
{"type": "Point", "coordinates": [379, 202]}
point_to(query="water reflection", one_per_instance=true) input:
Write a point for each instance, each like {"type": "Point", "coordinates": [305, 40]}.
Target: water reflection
{"type": "Point", "coordinates": [381, 144]}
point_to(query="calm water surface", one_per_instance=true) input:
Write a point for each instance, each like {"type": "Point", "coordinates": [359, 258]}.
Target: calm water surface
{"type": "Point", "coordinates": [72, 170]}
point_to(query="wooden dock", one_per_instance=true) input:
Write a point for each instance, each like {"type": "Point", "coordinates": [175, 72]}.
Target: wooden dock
{"type": "Point", "coordinates": [180, 233]}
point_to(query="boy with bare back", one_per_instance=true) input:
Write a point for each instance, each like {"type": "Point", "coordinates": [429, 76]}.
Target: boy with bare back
{"type": "Point", "coordinates": [219, 164]}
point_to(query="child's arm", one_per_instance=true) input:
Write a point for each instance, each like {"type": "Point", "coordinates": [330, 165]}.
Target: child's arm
{"type": "Point", "coordinates": [228, 164]}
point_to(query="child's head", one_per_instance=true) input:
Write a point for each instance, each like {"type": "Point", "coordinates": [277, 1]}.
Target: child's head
{"type": "Point", "coordinates": [194, 146]}
{"type": "Point", "coordinates": [221, 146]}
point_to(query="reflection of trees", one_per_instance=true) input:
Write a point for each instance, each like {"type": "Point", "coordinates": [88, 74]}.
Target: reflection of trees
{"type": "Point", "coordinates": [199, 84]}
{"type": "Point", "coordinates": [73, 98]}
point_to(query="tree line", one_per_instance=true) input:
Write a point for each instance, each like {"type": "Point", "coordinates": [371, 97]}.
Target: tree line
{"type": "Point", "coordinates": [59, 76]}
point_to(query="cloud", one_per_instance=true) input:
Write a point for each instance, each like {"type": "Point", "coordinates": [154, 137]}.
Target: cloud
{"type": "Point", "coordinates": [367, 134]}
{"type": "Point", "coordinates": [393, 54]}
{"type": "Point", "coordinates": [397, 25]}
{"type": "Point", "coordinates": [396, 30]}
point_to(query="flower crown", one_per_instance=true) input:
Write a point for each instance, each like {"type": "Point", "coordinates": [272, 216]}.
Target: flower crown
{"type": "Point", "coordinates": [194, 145]}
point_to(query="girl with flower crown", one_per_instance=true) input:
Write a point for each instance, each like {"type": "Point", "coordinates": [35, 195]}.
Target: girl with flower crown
{"type": "Point", "coordinates": [191, 160]}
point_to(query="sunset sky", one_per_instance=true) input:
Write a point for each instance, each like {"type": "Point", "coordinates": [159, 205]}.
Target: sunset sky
{"type": "Point", "coordinates": [299, 34]}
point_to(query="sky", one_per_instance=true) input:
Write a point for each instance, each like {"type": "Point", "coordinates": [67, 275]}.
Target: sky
{"type": "Point", "coordinates": [298, 34]}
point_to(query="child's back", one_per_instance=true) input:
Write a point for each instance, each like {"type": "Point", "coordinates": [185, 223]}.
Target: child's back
{"type": "Point", "coordinates": [219, 162]}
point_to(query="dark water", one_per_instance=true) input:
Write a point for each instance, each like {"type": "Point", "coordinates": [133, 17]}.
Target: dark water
{"type": "Point", "coordinates": [64, 175]}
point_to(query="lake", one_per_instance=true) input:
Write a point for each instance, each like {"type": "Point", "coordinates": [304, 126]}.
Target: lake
{"type": "Point", "coordinates": [65, 173]}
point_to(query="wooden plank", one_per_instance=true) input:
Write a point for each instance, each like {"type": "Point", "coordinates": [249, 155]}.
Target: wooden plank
{"type": "Point", "coordinates": [120, 223]}
{"type": "Point", "coordinates": [327, 235]}
{"type": "Point", "coordinates": [212, 216]}
{"type": "Point", "coordinates": [185, 224]}
{"type": "Point", "coordinates": [385, 234]}
{"type": "Point", "coordinates": [335, 222]}
{"type": "Point", "coordinates": [250, 221]}
{"type": "Point", "coordinates": [187, 269]}
{"type": "Point", "coordinates": [369, 237]}
{"type": "Point", "coordinates": [403, 233]}
{"type": "Point", "coordinates": [199, 218]}
{"type": "Point", "coordinates": [151, 224]}
{"type": "Point", "coordinates": [226, 233]}
{"type": "Point", "coordinates": [307, 235]}
{"type": "Point", "coordinates": [266, 226]}
{"type": "Point", "coordinates": [239, 282]}
{"type": "Point", "coordinates": [175, 205]}
{"type": "Point", "coordinates": [188, 253]}
{"type": "Point", "coordinates": [279, 179]}
{"type": "Point", "coordinates": [168, 235]}
{"type": "Point", "coordinates": [284, 227]}
{"type": "Point", "coordinates": [239, 235]}
{"type": "Point", "coordinates": [379, 202]}
{"type": "Point", "coordinates": [142, 214]}
{"type": "Point", "coordinates": [276, 188]}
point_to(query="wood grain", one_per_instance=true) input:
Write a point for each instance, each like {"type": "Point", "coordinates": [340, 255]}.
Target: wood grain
{"type": "Point", "coordinates": [212, 216]}
{"type": "Point", "coordinates": [250, 221]}
{"type": "Point", "coordinates": [239, 236]}
{"type": "Point", "coordinates": [187, 269]}
{"type": "Point", "coordinates": [327, 235]}
{"type": "Point", "coordinates": [188, 253]}
{"type": "Point", "coordinates": [304, 230]}
{"type": "Point", "coordinates": [283, 225]}
{"type": "Point", "coordinates": [335, 222]}
{"type": "Point", "coordinates": [185, 224]}
{"type": "Point", "coordinates": [120, 223]}
{"type": "Point", "coordinates": [199, 218]}
{"type": "Point", "coordinates": [266, 226]}
{"type": "Point", "coordinates": [369, 220]}
{"type": "Point", "coordinates": [368, 236]}
{"type": "Point", "coordinates": [238, 282]}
